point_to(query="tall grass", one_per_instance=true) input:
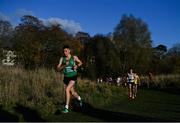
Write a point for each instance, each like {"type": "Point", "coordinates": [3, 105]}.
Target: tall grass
{"type": "Point", "coordinates": [162, 81]}
{"type": "Point", "coordinates": [98, 94]}
{"type": "Point", "coordinates": [43, 89]}
{"type": "Point", "coordinates": [34, 89]}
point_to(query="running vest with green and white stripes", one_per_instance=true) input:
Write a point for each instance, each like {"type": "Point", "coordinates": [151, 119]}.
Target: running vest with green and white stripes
{"type": "Point", "coordinates": [68, 70]}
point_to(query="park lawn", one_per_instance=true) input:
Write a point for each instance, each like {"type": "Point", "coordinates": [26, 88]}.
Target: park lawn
{"type": "Point", "coordinates": [155, 104]}
{"type": "Point", "coordinates": [38, 95]}
{"type": "Point", "coordinates": [150, 105]}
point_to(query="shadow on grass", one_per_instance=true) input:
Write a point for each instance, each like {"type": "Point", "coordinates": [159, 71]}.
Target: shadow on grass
{"type": "Point", "coordinates": [108, 116]}
{"type": "Point", "coordinates": [171, 89]}
{"type": "Point", "coordinates": [29, 115]}
{"type": "Point", "coordinates": [7, 117]}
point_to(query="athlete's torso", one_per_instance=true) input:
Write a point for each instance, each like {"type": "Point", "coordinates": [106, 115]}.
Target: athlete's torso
{"type": "Point", "coordinates": [68, 70]}
{"type": "Point", "coordinates": [130, 77]}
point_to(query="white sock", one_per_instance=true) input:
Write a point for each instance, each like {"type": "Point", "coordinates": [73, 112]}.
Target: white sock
{"type": "Point", "coordinates": [66, 106]}
{"type": "Point", "coordinates": [79, 98]}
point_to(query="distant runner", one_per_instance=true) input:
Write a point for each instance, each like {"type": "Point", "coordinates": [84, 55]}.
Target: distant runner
{"type": "Point", "coordinates": [130, 81]}
{"type": "Point", "coordinates": [136, 84]}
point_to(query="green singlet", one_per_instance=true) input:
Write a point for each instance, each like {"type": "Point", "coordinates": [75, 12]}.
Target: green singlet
{"type": "Point", "coordinates": [69, 71]}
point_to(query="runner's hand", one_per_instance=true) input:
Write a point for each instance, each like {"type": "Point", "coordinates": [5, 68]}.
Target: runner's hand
{"type": "Point", "coordinates": [75, 67]}
{"type": "Point", "coordinates": [60, 68]}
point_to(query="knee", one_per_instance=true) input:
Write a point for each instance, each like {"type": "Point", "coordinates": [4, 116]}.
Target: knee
{"type": "Point", "coordinates": [67, 90]}
{"type": "Point", "coordinates": [73, 93]}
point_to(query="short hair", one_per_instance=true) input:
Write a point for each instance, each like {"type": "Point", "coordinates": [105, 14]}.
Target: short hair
{"type": "Point", "coordinates": [66, 47]}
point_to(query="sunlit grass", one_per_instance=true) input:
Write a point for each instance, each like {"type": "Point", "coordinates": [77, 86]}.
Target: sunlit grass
{"type": "Point", "coordinates": [43, 90]}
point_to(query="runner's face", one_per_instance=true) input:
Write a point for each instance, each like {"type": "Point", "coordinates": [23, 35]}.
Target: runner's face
{"type": "Point", "coordinates": [66, 51]}
{"type": "Point", "coordinates": [131, 71]}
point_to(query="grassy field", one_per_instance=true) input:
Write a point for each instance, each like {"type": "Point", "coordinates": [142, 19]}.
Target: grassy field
{"type": "Point", "coordinates": [39, 96]}
{"type": "Point", "coordinates": [151, 105]}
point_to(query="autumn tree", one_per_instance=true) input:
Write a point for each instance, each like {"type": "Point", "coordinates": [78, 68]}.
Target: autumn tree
{"type": "Point", "coordinates": [133, 39]}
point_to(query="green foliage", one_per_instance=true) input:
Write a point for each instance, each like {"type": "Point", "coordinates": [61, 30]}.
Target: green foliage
{"type": "Point", "coordinates": [173, 58]}
{"type": "Point", "coordinates": [27, 42]}
{"type": "Point", "coordinates": [166, 62]}
{"type": "Point", "coordinates": [53, 39]}
{"type": "Point", "coordinates": [133, 39]}
{"type": "Point", "coordinates": [38, 45]}
{"type": "Point", "coordinates": [102, 56]}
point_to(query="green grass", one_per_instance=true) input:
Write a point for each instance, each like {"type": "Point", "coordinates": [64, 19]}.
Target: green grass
{"type": "Point", "coordinates": [37, 96]}
{"type": "Point", "coordinates": [150, 105]}
{"type": "Point", "coordinates": [72, 117]}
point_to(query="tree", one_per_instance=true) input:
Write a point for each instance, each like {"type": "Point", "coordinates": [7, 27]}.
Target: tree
{"type": "Point", "coordinates": [101, 57]}
{"type": "Point", "coordinates": [29, 20]}
{"type": "Point", "coordinates": [160, 51]}
{"type": "Point", "coordinates": [159, 60]}
{"type": "Point", "coordinates": [39, 45]}
{"type": "Point", "coordinates": [133, 39]}
{"type": "Point", "coordinates": [5, 28]}
{"type": "Point", "coordinates": [27, 41]}
{"type": "Point", "coordinates": [173, 59]}
{"type": "Point", "coordinates": [6, 31]}
{"type": "Point", "coordinates": [54, 38]}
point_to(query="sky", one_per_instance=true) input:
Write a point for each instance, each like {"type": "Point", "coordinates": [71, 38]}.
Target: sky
{"type": "Point", "coordinates": [100, 16]}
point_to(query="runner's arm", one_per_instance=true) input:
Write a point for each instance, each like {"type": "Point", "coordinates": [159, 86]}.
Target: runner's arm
{"type": "Point", "coordinates": [60, 66]}
{"type": "Point", "coordinates": [79, 63]}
